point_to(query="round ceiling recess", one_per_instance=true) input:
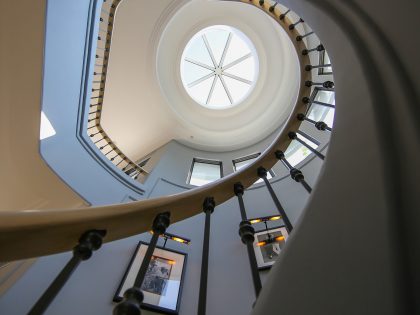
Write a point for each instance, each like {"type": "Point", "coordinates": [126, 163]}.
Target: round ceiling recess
{"type": "Point", "coordinates": [219, 67]}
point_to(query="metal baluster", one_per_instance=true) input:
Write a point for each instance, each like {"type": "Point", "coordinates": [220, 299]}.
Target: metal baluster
{"type": "Point", "coordinates": [300, 37]}
{"type": "Point", "coordinates": [246, 232]}
{"type": "Point", "coordinates": [123, 159]}
{"type": "Point", "coordinates": [94, 134]}
{"type": "Point", "coordinates": [320, 125]}
{"type": "Point", "coordinates": [282, 16]}
{"type": "Point", "coordinates": [294, 172]}
{"type": "Point", "coordinates": [292, 26]}
{"type": "Point", "coordinates": [307, 100]}
{"type": "Point", "coordinates": [271, 9]}
{"type": "Point", "coordinates": [133, 297]}
{"type": "Point", "coordinates": [292, 135]}
{"type": "Point", "coordinates": [208, 208]}
{"type": "Point", "coordinates": [100, 140]}
{"type": "Point", "coordinates": [317, 48]}
{"type": "Point", "coordinates": [326, 84]}
{"type": "Point", "coordinates": [310, 67]}
{"type": "Point", "coordinates": [88, 242]}
{"type": "Point", "coordinates": [97, 125]}
{"type": "Point", "coordinates": [262, 173]}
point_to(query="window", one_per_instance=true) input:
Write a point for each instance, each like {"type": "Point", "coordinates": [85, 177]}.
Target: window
{"type": "Point", "coordinates": [324, 59]}
{"type": "Point", "coordinates": [47, 130]}
{"type": "Point", "coordinates": [219, 67]}
{"type": "Point", "coordinates": [297, 152]}
{"type": "Point", "coordinates": [246, 160]}
{"type": "Point", "coordinates": [204, 172]}
{"type": "Point", "coordinates": [319, 112]}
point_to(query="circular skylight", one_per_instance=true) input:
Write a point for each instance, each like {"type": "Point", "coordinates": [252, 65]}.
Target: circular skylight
{"type": "Point", "coordinates": [219, 67]}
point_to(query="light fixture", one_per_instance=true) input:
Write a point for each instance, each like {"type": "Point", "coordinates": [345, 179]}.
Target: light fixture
{"type": "Point", "coordinates": [265, 219]}
{"type": "Point", "coordinates": [173, 237]}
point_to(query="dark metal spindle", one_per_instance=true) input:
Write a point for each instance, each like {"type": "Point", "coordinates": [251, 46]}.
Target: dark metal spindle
{"type": "Point", "coordinates": [100, 140]}
{"type": "Point", "coordinates": [123, 159]}
{"type": "Point", "coordinates": [113, 158]}
{"type": "Point", "coordinates": [326, 84]}
{"type": "Point", "coordinates": [89, 242]}
{"type": "Point", "coordinates": [103, 147]}
{"type": "Point", "coordinates": [292, 135]}
{"type": "Point", "coordinates": [294, 172]}
{"type": "Point", "coordinates": [320, 125]}
{"type": "Point", "coordinates": [292, 26]}
{"type": "Point", "coordinates": [94, 134]}
{"type": "Point", "coordinates": [282, 16]}
{"type": "Point", "coordinates": [271, 9]}
{"type": "Point", "coordinates": [307, 100]}
{"type": "Point", "coordinates": [317, 48]}
{"type": "Point", "coordinates": [112, 150]}
{"type": "Point", "coordinates": [96, 125]}
{"type": "Point", "coordinates": [133, 297]}
{"type": "Point", "coordinates": [300, 37]}
{"type": "Point", "coordinates": [246, 232]}
{"type": "Point", "coordinates": [208, 208]}
{"type": "Point", "coordinates": [310, 67]}
{"type": "Point", "coordinates": [262, 173]}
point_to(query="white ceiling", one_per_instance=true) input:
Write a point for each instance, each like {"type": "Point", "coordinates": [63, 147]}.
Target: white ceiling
{"type": "Point", "coordinates": [145, 103]}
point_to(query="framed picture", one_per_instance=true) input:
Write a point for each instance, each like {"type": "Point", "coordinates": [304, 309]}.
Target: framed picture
{"type": "Point", "coordinates": [162, 284]}
{"type": "Point", "coordinates": [268, 244]}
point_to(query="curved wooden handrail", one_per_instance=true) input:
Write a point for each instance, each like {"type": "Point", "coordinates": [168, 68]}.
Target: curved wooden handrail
{"type": "Point", "coordinates": [31, 233]}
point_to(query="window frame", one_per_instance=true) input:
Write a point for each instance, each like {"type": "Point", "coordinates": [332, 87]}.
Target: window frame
{"type": "Point", "coordinates": [313, 96]}
{"type": "Point", "coordinates": [204, 161]}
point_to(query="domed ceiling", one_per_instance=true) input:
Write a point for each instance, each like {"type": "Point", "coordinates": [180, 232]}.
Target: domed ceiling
{"type": "Point", "coordinates": [215, 76]}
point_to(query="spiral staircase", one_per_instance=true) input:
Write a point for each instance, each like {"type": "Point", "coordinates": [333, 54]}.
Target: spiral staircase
{"type": "Point", "coordinates": [354, 249]}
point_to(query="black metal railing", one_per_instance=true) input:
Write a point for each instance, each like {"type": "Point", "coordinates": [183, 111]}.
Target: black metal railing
{"type": "Point", "coordinates": [92, 240]}
{"type": "Point", "coordinates": [95, 131]}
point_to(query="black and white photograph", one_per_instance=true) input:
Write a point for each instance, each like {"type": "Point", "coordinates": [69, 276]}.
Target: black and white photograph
{"type": "Point", "coordinates": [268, 245]}
{"type": "Point", "coordinates": [157, 275]}
{"type": "Point", "coordinates": [162, 285]}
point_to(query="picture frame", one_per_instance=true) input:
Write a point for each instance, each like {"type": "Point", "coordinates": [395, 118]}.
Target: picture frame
{"type": "Point", "coordinates": [162, 285]}
{"type": "Point", "coordinates": [274, 239]}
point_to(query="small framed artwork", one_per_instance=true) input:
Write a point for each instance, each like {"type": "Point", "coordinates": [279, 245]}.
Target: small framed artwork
{"type": "Point", "coordinates": [162, 284]}
{"type": "Point", "coordinates": [268, 244]}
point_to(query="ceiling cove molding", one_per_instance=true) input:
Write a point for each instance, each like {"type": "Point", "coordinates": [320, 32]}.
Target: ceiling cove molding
{"type": "Point", "coordinates": [160, 25]}
{"type": "Point", "coordinates": [268, 105]}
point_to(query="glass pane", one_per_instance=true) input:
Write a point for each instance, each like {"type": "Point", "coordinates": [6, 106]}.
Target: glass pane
{"type": "Point", "coordinates": [197, 51]}
{"type": "Point", "coordinates": [325, 97]}
{"type": "Point", "coordinates": [326, 62]}
{"type": "Point", "coordinates": [297, 152]}
{"type": "Point", "coordinates": [239, 67]}
{"type": "Point", "coordinates": [323, 113]}
{"type": "Point", "coordinates": [204, 173]}
{"type": "Point", "coordinates": [217, 39]}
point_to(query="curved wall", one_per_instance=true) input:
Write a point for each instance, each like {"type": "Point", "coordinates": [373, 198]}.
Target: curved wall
{"type": "Point", "coordinates": [91, 288]}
